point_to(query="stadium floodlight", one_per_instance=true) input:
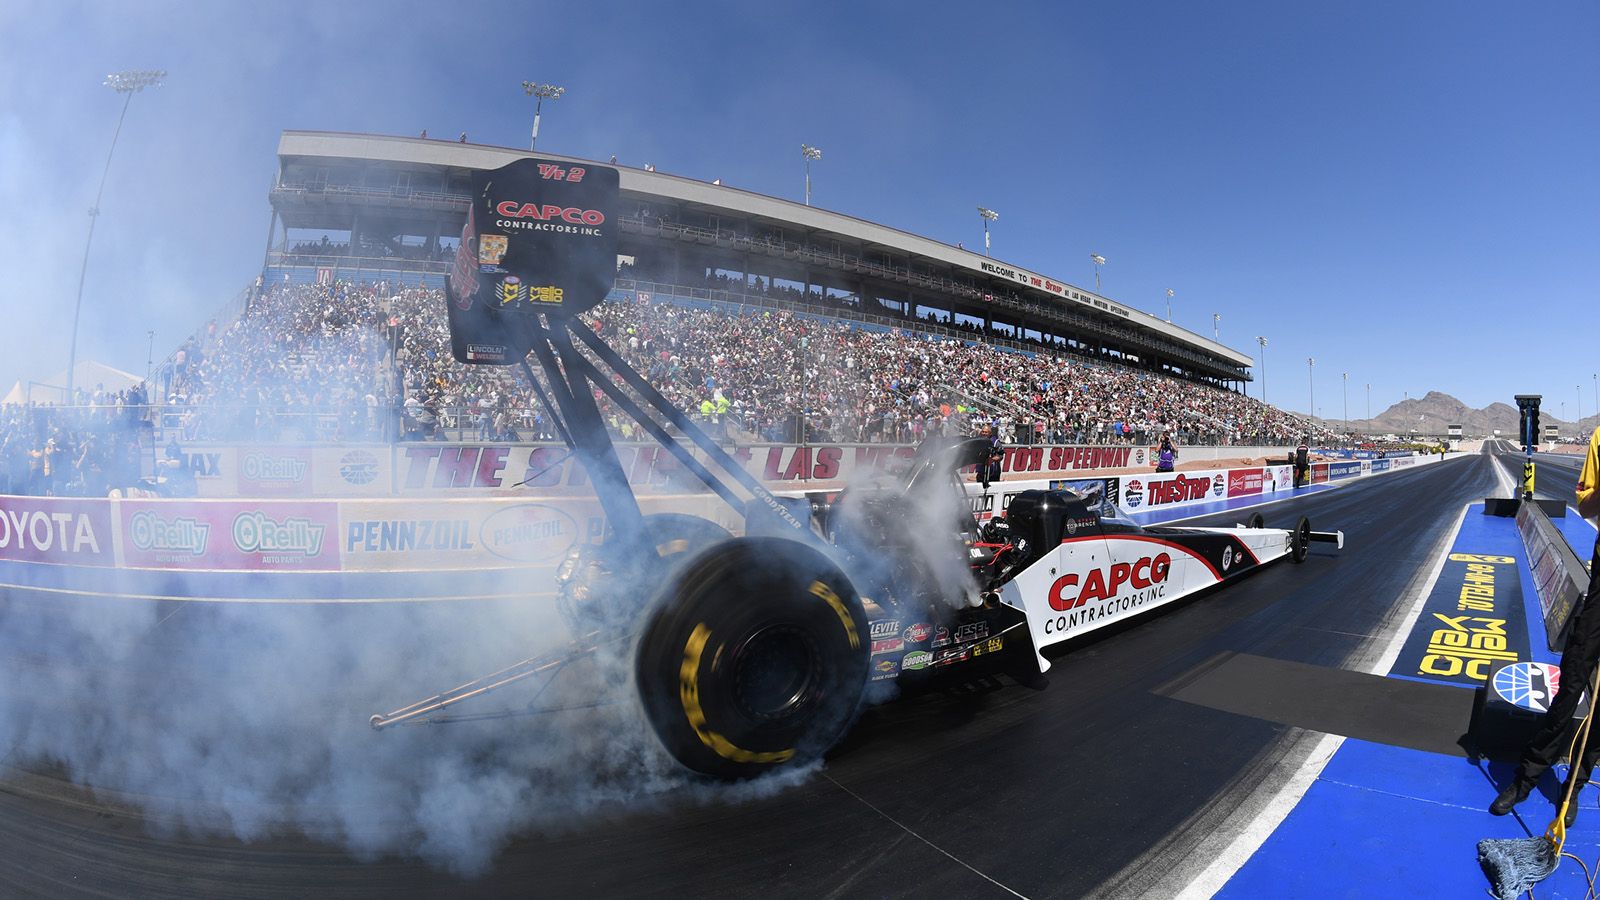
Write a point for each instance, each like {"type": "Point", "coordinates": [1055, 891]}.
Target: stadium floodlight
{"type": "Point", "coordinates": [988, 215]}
{"type": "Point", "coordinates": [810, 153]}
{"type": "Point", "coordinates": [1263, 342]}
{"type": "Point", "coordinates": [1099, 261]}
{"type": "Point", "coordinates": [542, 92]}
{"type": "Point", "coordinates": [1216, 327]}
{"type": "Point", "coordinates": [128, 83]}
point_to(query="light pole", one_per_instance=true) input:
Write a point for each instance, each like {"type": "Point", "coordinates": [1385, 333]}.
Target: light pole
{"type": "Point", "coordinates": [1216, 327]}
{"type": "Point", "coordinates": [1099, 261]}
{"type": "Point", "coordinates": [542, 92]}
{"type": "Point", "coordinates": [1369, 406]}
{"type": "Point", "coordinates": [128, 83]}
{"type": "Point", "coordinates": [1346, 376]}
{"type": "Point", "coordinates": [1579, 389]}
{"type": "Point", "coordinates": [1169, 300]}
{"type": "Point", "coordinates": [988, 215]}
{"type": "Point", "coordinates": [1263, 342]}
{"type": "Point", "coordinates": [810, 153]}
{"type": "Point", "coordinates": [1311, 365]}
{"type": "Point", "coordinates": [149, 359]}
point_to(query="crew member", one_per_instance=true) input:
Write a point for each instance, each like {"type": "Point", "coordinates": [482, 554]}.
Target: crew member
{"type": "Point", "coordinates": [989, 466]}
{"type": "Point", "coordinates": [1302, 464]}
{"type": "Point", "coordinates": [1578, 660]}
{"type": "Point", "coordinates": [1166, 455]}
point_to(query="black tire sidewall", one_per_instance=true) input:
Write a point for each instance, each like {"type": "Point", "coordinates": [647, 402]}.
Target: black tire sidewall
{"type": "Point", "coordinates": [689, 656]}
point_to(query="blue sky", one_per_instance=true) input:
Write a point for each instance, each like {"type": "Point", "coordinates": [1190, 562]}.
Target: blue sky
{"type": "Point", "coordinates": [1407, 192]}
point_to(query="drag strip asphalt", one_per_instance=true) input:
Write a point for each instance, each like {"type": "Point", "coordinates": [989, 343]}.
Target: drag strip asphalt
{"type": "Point", "coordinates": [1095, 786]}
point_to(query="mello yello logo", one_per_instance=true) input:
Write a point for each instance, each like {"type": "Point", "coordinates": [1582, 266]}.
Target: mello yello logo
{"type": "Point", "coordinates": [1067, 593]}
{"type": "Point", "coordinates": [257, 532]}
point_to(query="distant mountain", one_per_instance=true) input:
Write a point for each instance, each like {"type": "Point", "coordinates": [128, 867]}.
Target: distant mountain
{"type": "Point", "coordinates": [1431, 414]}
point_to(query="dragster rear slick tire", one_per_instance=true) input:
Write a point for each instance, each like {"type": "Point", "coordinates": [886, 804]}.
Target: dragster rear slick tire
{"type": "Point", "coordinates": [754, 658]}
{"type": "Point", "coordinates": [1256, 521]}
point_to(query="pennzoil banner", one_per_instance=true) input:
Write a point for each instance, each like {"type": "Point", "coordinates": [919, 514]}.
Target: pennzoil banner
{"type": "Point", "coordinates": [540, 238]}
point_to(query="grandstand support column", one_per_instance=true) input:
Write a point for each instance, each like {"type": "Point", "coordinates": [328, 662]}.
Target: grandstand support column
{"type": "Point", "coordinates": [266, 256]}
{"type": "Point", "coordinates": [355, 235]}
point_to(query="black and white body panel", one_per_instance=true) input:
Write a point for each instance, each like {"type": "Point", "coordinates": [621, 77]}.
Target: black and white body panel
{"type": "Point", "coordinates": [1105, 568]}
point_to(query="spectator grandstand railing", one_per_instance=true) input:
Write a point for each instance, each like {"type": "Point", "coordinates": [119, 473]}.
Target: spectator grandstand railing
{"type": "Point", "coordinates": [365, 196]}
{"type": "Point", "coordinates": [1053, 314]}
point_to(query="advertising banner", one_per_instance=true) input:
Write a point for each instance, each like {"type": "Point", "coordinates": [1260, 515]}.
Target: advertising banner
{"type": "Point", "coordinates": [1245, 482]}
{"type": "Point", "coordinates": [352, 471]}
{"type": "Point", "coordinates": [268, 471]}
{"type": "Point", "coordinates": [53, 530]}
{"type": "Point", "coordinates": [1279, 478]}
{"type": "Point", "coordinates": [1319, 473]}
{"type": "Point", "coordinates": [1140, 492]}
{"type": "Point", "coordinates": [230, 534]}
{"type": "Point", "coordinates": [1380, 465]}
{"type": "Point", "coordinates": [1337, 470]}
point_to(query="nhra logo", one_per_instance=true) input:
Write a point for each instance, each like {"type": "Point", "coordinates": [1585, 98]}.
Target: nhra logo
{"type": "Point", "coordinates": [150, 532]}
{"type": "Point", "coordinates": [257, 532]}
{"type": "Point", "coordinates": [1134, 494]}
{"type": "Point", "coordinates": [358, 467]}
{"type": "Point", "coordinates": [1227, 558]}
{"type": "Point", "coordinates": [1070, 592]}
{"type": "Point", "coordinates": [1530, 685]}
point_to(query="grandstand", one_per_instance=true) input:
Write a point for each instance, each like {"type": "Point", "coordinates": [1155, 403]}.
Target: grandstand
{"type": "Point", "coordinates": [770, 320]}
{"type": "Point", "coordinates": [368, 207]}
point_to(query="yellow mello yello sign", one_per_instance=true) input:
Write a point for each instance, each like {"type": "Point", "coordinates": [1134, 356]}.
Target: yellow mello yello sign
{"type": "Point", "coordinates": [1472, 619]}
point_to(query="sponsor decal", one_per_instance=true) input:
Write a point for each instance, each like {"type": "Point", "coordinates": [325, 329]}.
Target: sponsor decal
{"type": "Point", "coordinates": [1133, 494]}
{"type": "Point", "coordinates": [257, 532]}
{"type": "Point", "coordinates": [358, 467]}
{"type": "Point", "coordinates": [992, 645]}
{"type": "Point", "coordinates": [1471, 620]}
{"type": "Point", "coordinates": [917, 633]}
{"type": "Point", "coordinates": [511, 209]}
{"type": "Point", "coordinates": [1219, 485]}
{"type": "Point", "coordinates": [972, 631]}
{"type": "Point", "coordinates": [38, 529]}
{"type": "Point", "coordinates": [889, 645]}
{"type": "Point", "coordinates": [1246, 482]}
{"type": "Point", "coordinates": [885, 628]}
{"type": "Point", "coordinates": [407, 535]}
{"type": "Point", "coordinates": [1343, 469]}
{"type": "Point", "coordinates": [1138, 459]}
{"type": "Point", "coordinates": [510, 292]}
{"type": "Point", "coordinates": [941, 637]}
{"type": "Point", "coordinates": [180, 535]}
{"type": "Point", "coordinates": [1530, 685]}
{"type": "Point", "coordinates": [1227, 558]}
{"type": "Point", "coordinates": [285, 471]}
{"type": "Point", "coordinates": [202, 465]}
{"type": "Point", "coordinates": [1106, 591]}
{"type": "Point", "coordinates": [529, 533]}
{"type": "Point", "coordinates": [492, 249]}
{"type": "Point", "coordinates": [917, 659]}
{"type": "Point", "coordinates": [1184, 489]}
{"type": "Point", "coordinates": [884, 669]}
{"type": "Point", "coordinates": [952, 655]}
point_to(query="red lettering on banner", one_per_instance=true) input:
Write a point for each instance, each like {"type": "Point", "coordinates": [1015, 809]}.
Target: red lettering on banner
{"type": "Point", "coordinates": [827, 463]}
{"type": "Point", "coordinates": [490, 462]}
{"type": "Point", "coordinates": [544, 467]}
{"type": "Point", "coordinates": [455, 467]}
{"type": "Point", "coordinates": [774, 456]}
{"type": "Point", "coordinates": [417, 461]}
{"type": "Point", "coordinates": [799, 464]}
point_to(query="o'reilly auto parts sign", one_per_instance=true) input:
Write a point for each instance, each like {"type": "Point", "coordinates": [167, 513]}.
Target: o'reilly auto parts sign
{"type": "Point", "coordinates": [540, 238]}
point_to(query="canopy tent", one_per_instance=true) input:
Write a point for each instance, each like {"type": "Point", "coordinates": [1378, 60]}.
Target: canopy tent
{"type": "Point", "coordinates": [87, 375]}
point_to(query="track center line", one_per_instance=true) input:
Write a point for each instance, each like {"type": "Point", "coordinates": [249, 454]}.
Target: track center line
{"type": "Point", "coordinates": [898, 824]}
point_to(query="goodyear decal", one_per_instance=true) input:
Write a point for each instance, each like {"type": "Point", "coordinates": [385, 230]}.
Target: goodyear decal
{"type": "Point", "coordinates": [1472, 620]}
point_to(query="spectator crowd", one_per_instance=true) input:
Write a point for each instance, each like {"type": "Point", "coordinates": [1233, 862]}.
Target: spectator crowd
{"type": "Point", "coordinates": [371, 362]}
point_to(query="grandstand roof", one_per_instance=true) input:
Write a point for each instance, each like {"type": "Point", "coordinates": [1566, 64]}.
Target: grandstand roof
{"type": "Point", "coordinates": [318, 147]}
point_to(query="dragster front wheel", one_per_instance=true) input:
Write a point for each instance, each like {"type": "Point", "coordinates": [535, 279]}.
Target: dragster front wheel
{"type": "Point", "coordinates": [1300, 540]}
{"type": "Point", "coordinates": [755, 658]}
